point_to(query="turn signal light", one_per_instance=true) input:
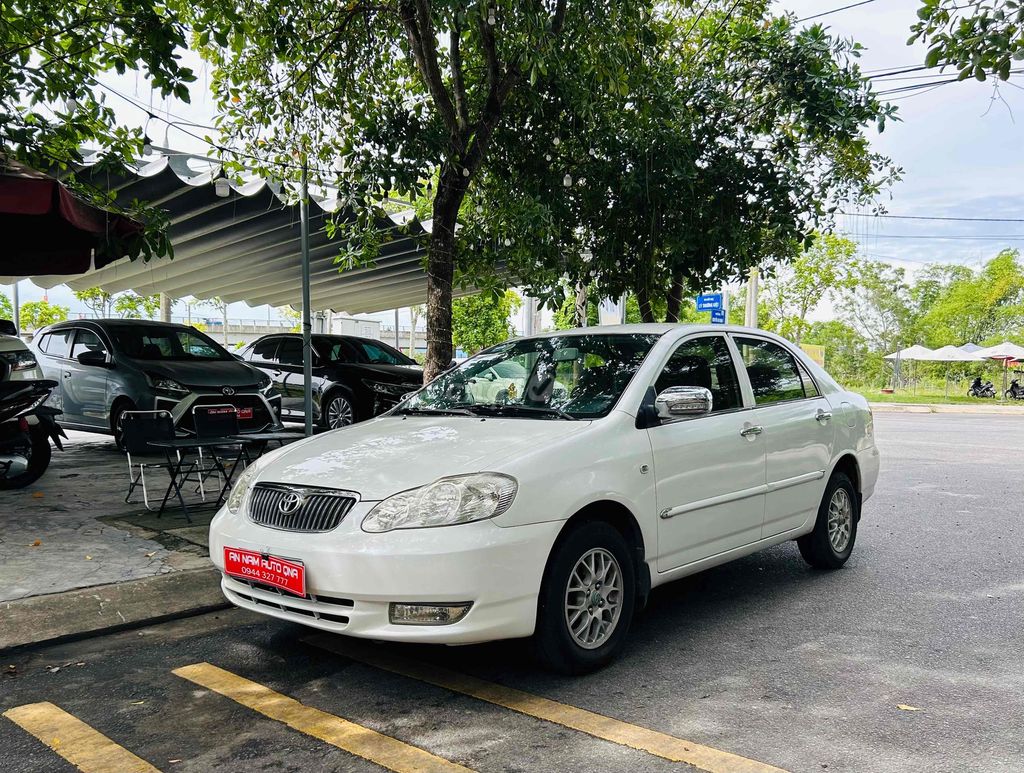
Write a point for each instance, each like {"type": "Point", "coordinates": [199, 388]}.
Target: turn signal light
{"type": "Point", "coordinates": [427, 614]}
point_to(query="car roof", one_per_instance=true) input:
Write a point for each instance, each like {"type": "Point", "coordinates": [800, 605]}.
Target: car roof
{"type": "Point", "coordinates": [154, 323]}
{"type": "Point", "coordinates": [656, 328]}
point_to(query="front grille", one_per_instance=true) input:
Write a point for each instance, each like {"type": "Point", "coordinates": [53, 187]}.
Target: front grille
{"type": "Point", "coordinates": [261, 417]}
{"type": "Point", "coordinates": [315, 510]}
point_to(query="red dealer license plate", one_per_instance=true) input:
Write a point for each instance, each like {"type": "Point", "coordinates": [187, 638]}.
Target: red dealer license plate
{"type": "Point", "coordinates": [244, 413]}
{"type": "Point", "coordinates": [270, 570]}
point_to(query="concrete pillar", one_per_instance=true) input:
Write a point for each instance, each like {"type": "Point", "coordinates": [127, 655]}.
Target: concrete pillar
{"type": "Point", "coordinates": [165, 307]}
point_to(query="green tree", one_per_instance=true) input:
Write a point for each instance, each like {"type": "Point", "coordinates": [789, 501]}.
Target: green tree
{"type": "Point", "coordinates": [978, 307]}
{"type": "Point", "coordinates": [6, 309]}
{"type": "Point", "coordinates": [848, 356]}
{"type": "Point", "coordinates": [291, 315]}
{"type": "Point", "coordinates": [37, 314]}
{"type": "Point", "coordinates": [795, 289]}
{"type": "Point", "coordinates": [131, 304]}
{"type": "Point", "coordinates": [976, 37]}
{"type": "Point", "coordinates": [51, 53]}
{"type": "Point", "coordinates": [737, 134]}
{"type": "Point", "coordinates": [482, 320]}
{"type": "Point", "coordinates": [405, 99]}
{"type": "Point", "coordinates": [99, 302]}
{"type": "Point", "coordinates": [877, 304]}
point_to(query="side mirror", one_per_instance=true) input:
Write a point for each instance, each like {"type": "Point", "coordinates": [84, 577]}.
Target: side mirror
{"type": "Point", "coordinates": [92, 358]}
{"type": "Point", "coordinates": [682, 402]}
{"type": "Point", "coordinates": [8, 328]}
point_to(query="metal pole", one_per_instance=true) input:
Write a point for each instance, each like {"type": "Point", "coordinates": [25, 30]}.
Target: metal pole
{"type": "Point", "coordinates": [307, 347]}
{"type": "Point", "coordinates": [396, 331]}
{"type": "Point", "coordinates": [15, 306]}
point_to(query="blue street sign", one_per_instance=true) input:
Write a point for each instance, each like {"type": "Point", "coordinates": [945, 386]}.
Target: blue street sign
{"type": "Point", "coordinates": [718, 316]}
{"type": "Point", "coordinates": [709, 302]}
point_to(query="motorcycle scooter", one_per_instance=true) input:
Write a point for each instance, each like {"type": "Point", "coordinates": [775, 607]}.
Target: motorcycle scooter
{"type": "Point", "coordinates": [26, 428]}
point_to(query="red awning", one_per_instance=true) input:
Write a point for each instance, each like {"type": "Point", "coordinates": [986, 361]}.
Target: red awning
{"type": "Point", "coordinates": [45, 229]}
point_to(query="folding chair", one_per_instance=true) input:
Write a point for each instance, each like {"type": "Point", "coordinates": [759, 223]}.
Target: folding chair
{"type": "Point", "coordinates": [138, 428]}
{"type": "Point", "coordinates": [218, 422]}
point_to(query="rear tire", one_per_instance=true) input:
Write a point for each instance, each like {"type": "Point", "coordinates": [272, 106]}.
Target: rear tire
{"type": "Point", "coordinates": [38, 461]}
{"type": "Point", "coordinates": [586, 600]}
{"type": "Point", "coordinates": [835, 531]}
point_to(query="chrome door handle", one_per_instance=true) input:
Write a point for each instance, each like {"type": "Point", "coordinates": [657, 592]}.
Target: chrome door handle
{"type": "Point", "coordinates": [748, 431]}
{"type": "Point", "coordinates": [822, 416]}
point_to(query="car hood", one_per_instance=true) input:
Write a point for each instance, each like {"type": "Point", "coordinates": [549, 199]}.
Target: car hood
{"type": "Point", "coordinates": [381, 457]}
{"type": "Point", "coordinates": [203, 374]}
{"type": "Point", "coordinates": [11, 344]}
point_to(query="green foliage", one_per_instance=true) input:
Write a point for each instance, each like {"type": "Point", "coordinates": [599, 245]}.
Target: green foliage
{"type": "Point", "coordinates": [51, 52]}
{"type": "Point", "coordinates": [37, 314]}
{"type": "Point", "coordinates": [790, 292]}
{"type": "Point", "coordinates": [482, 320]}
{"type": "Point", "coordinates": [6, 309]}
{"type": "Point", "coordinates": [131, 304]}
{"type": "Point", "coordinates": [878, 305]}
{"type": "Point", "coordinates": [98, 301]}
{"type": "Point", "coordinates": [848, 357]}
{"type": "Point", "coordinates": [977, 37]}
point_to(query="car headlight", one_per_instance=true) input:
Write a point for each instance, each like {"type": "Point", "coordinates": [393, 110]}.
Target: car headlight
{"type": "Point", "coordinates": [21, 360]}
{"type": "Point", "coordinates": [390, 390]}
{"type": "Point", "coordinates": [265, 383]}
{"type": "Point", "coordinates": [240, 489]}
{"type": "Point", "coordinates": [167, 386]}
{"type": "Point", "coordinates": [445, 502]}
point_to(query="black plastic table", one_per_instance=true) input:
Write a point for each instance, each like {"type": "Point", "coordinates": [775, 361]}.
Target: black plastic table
{"type": "Point", "coordinates": [260, 440]}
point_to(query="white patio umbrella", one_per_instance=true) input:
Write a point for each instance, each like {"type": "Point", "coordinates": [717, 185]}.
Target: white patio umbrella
{"type": "Point", "coordinates": [1006, 351]}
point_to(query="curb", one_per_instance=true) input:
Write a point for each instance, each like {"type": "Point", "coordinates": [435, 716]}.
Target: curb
{"type": "Point", "coordinates": [102, 609]}
{"type": "Point", "coordinates": [981, 410]}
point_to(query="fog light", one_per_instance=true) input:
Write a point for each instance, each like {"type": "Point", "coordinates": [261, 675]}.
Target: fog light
{"type": "Point", "coordinates": [428, 614]}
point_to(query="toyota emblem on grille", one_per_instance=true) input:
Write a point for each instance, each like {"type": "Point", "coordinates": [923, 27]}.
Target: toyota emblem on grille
{"type": "Point", "coordinates": [227, 391]}
{"type": "Point", "coordinates": [290, 502]}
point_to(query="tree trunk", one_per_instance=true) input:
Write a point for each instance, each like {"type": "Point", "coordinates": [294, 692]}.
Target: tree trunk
{"type": "Point", "coordinates": [441, 272]}
{"type": "Point", "coordinates": [643, 299]}
{"type": "Point", "coordinates": [675, 298]}
{"type": "Point", "coordinates": [581, 304]}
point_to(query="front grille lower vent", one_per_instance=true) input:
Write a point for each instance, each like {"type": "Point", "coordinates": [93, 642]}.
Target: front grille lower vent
{"type": "Point", "coordinates": [296, 508]}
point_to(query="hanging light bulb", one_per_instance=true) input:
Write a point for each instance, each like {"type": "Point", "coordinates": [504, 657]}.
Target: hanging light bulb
{"type": "Point", "coordinates": [556, 142]}
{"type": "Point", "coordinates": [490, 17]}
{"type": "Point", "coordinates": [547, 156]}
{"type": "Point", "coordinates": [567, 180]}
{"type": "Point", "coordinates": [508, 242]}
{"type": "Point", "coordinates": [465, 171]}
{"type": "Point", "coordinates": [222, 187]}
{"type": "Point", "coordinates": [71, 104]}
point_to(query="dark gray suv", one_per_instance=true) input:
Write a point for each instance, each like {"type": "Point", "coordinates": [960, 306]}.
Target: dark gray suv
{"type": "Point", "coordinates": [107, 366]}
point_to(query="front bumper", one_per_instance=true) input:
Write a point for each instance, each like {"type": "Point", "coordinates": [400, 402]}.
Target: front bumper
{"type": "Point", "coordinates": [352, 577]}
{"type": "Point", "coordinates": [266, 409]}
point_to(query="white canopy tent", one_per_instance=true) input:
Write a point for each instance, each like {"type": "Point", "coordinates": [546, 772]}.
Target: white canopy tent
{"type": "Point", "coordinates": [949, 354]}
{"type": "Point", "coordinates": [915, 352]}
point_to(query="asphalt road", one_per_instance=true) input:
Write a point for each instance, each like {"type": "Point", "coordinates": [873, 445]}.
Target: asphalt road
{"type": "Point", "coordinates": [762, 658]}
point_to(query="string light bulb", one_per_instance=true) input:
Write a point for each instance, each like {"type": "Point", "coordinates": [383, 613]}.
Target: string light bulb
{"type": "Point", "coordinates": [490, 17]}
{"type": "Point", "coordinates": [71, 104]}
{"type": "Point", "coordinates": [567, 180]}
{"type": "Point", "coordinates": [222, 187]}
{"type": "Point", "coordinates": [556, 142]}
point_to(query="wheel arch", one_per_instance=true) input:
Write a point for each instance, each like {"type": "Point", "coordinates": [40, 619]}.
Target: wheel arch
{"type": "Point", "coordinates": [848, 465]}
{"type": "Point", "coordinates": [622, 519]}
{"type": "Point", "coordinates": [121, 401]}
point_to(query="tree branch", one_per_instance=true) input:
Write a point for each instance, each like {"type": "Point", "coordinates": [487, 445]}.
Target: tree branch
{"type": "Point", "coordinates": [415, 17]}
{"type": "Point", "coordinates": [458, 84]}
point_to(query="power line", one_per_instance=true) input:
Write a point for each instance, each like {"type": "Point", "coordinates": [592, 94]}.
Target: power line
{"type": "Point", "coordinates": [937, 217]}
{"type": "Point", "coordinates": [958, 237]}
{"type": "Point", "coordinates": [834, 10]}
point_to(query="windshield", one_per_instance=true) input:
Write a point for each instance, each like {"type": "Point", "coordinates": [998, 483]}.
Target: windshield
{"type": "Point", "coordinates": [363, 351]}
{"type": "Point", "coordinates": [170, 343]}
{"type": "Point", "coordinates": [567, 377]}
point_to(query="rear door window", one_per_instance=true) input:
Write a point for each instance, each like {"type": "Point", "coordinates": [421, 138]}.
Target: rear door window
{"type": "Point", "coordinates": [772, 371]}
{"type": "Point", "coordinates": [58, 343]}
{"type": "Point", "coordinates": [290, 352]}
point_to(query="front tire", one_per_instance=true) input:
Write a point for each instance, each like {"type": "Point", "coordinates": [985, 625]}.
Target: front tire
{"type": "Point", "coordinates": [337, 410]}
{"type": "Point", "coordinates": [835, 531]}
{"type": "Point", "coordinates": [586, 601]}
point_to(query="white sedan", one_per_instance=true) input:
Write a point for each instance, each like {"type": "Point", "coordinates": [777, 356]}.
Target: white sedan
{"type": "Point", "coordinates": [551, 512]}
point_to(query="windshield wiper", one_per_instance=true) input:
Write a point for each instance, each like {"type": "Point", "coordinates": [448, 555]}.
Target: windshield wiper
{"type": "Point", "coordinates": [513, 408]}
{"type": "Point", "coordinates": [433, 411]}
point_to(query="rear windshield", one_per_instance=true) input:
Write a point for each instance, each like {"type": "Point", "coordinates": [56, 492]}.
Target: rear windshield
{"type": "Point", "coordinates": [170, 343]}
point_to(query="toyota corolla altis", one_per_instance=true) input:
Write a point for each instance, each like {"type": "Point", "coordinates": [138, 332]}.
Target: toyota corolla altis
{"type": "Point", "coordinates": [548, 502]}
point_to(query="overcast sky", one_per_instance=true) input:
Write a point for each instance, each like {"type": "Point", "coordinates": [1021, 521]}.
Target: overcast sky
{"type": "Point", "coordinates": [958, 145]}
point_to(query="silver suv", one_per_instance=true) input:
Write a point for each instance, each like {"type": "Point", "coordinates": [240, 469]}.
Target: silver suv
{"type": "Point", "coordinates": [107, 366]}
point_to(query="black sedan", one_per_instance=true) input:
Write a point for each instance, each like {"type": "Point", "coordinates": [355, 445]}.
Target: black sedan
{"type": "Point", "coordinates": [353, 378]}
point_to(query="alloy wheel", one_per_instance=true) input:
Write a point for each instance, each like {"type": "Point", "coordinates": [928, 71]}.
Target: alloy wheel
{"type": "Point", "coordinates": [339, 412]}
{"type": "Point", "coordinates": [840, 520]}
{"type": "Point", "coordinates": [593, 598]}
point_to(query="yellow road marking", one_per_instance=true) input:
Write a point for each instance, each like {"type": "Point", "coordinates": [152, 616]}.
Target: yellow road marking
{"type": "Point", "coordinates": [370, 745]}
{"type": "Point", "coordinates": [87, 749]}
{"type": "Point", "coordinates": [641, 738]}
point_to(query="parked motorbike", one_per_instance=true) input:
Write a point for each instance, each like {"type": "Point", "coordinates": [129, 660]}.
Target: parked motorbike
{"type": "Point", "coordinates": [1016, 391]}
{"type": "Point", "coordinates": [26, 428]}
{"type": "Point", "coordinates": [979, 389]}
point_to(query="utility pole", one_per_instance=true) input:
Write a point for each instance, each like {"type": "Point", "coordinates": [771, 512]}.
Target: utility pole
{"type": "Point", "coordinates": [581, 304]}
{"type": "Point", "coordinates": [165, 307]}
{"type": "Point", "coordinates": [750, 317]}
{"type": "Point", "coordinates": [307, 327]}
